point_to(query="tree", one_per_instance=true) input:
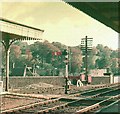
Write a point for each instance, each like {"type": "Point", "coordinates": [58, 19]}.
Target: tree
{"type": "Point", "coordinates": [76, 60]}
{"type": "Point", "coordinates": [40, 55]}
{"type": "Point", "coordinates": [114, 66]}
{"type": "Point", "coordinates": [92, 58]}
{"type": "Point", "coordinates": [15, 53]}
{"type": "Point", "coordinates": [29, 55]}
{"type": "Point", "coordinates": [104, 60]}
{"type": "Point", "coordinates": [15, 50]}
{"type": "Point", "coordinates": [114, 54]}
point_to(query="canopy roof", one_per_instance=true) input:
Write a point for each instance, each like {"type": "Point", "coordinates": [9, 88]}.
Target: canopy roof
{"type": "Point", "coordinates": [105, 12]}
{"type": "Point", "coordinates": [17, 31]}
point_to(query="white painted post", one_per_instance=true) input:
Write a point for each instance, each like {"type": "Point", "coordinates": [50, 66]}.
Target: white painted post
{"type": "Point", "coordinates": [66, 66]}
{"type": "Point", "coordinates": [111, 79]}
{"type": "Point", "coordinates": [66, 71]}
{"type": "Point", "coordinates": [25, 71]}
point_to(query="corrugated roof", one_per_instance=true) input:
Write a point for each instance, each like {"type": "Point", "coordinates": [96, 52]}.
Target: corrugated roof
{"type": "Point", "coordinates": [107, 13]}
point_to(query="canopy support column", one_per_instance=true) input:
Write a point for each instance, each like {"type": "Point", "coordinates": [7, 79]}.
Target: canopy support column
{"type": "Point", "coordinates": [7, 43]}
{"type": "Point", "coordinates": [7, 69]}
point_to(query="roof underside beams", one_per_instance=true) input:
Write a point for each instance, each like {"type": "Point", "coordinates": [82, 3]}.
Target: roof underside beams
{"type": "Point", "coordinates": [15, 31]}
{"type": "Point", "coordinates": [105, 12]}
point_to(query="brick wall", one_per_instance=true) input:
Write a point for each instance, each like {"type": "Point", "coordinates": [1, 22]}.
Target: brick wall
{"type": "Point", "coordinates": [100, 80]}
{"type": "Point", "coordinates": [19, 81]}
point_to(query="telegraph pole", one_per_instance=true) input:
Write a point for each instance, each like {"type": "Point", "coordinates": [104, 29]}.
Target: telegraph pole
{"type": "Point", "coordinates": [86, 45]}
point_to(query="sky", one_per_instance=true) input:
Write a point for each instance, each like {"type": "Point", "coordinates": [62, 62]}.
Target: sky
{"type": "Point", "coordinates": [60, 22]}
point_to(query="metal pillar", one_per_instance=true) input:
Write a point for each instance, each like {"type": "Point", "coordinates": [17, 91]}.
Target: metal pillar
{"type": "Point", "coordinates": [86, 61]}
{"type": "Point", "coordinates": [7, 70]}
{"type": "Point", "coordinates": [7, 43]}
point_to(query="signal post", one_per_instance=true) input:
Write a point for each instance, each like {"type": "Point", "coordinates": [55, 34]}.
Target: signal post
{"type": "Point", "coordinates": [65, 53]}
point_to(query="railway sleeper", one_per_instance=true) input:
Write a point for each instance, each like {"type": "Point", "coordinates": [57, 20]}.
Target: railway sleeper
{"type": "Point", "coordinates": [88, 108]}
{"type": "Point", "coordinates": [53, 108]}
{"type": "Point", "coordinates": [28, 106]}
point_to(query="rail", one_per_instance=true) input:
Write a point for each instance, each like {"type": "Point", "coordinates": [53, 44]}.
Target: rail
{"type": "Point", "coordinates": [97, 105]}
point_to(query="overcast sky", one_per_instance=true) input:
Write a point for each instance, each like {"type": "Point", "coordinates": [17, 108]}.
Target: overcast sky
{"type": "Point", "coordinates": [61, 22]}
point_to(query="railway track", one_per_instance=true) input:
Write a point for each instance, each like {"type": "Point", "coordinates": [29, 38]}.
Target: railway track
{"type": "Point", "coordinates": [96, 91]}
{"type": "Point", "coordinates": [89, 101]}
{"type": "Point", "coordinates": [77, 91]}
{"type": "Point", "coordinates": [97, 106]}
{"type": "Point", "coordinates": [113, 108]}
{"type": "Point", "coordinates": [11, 102]}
